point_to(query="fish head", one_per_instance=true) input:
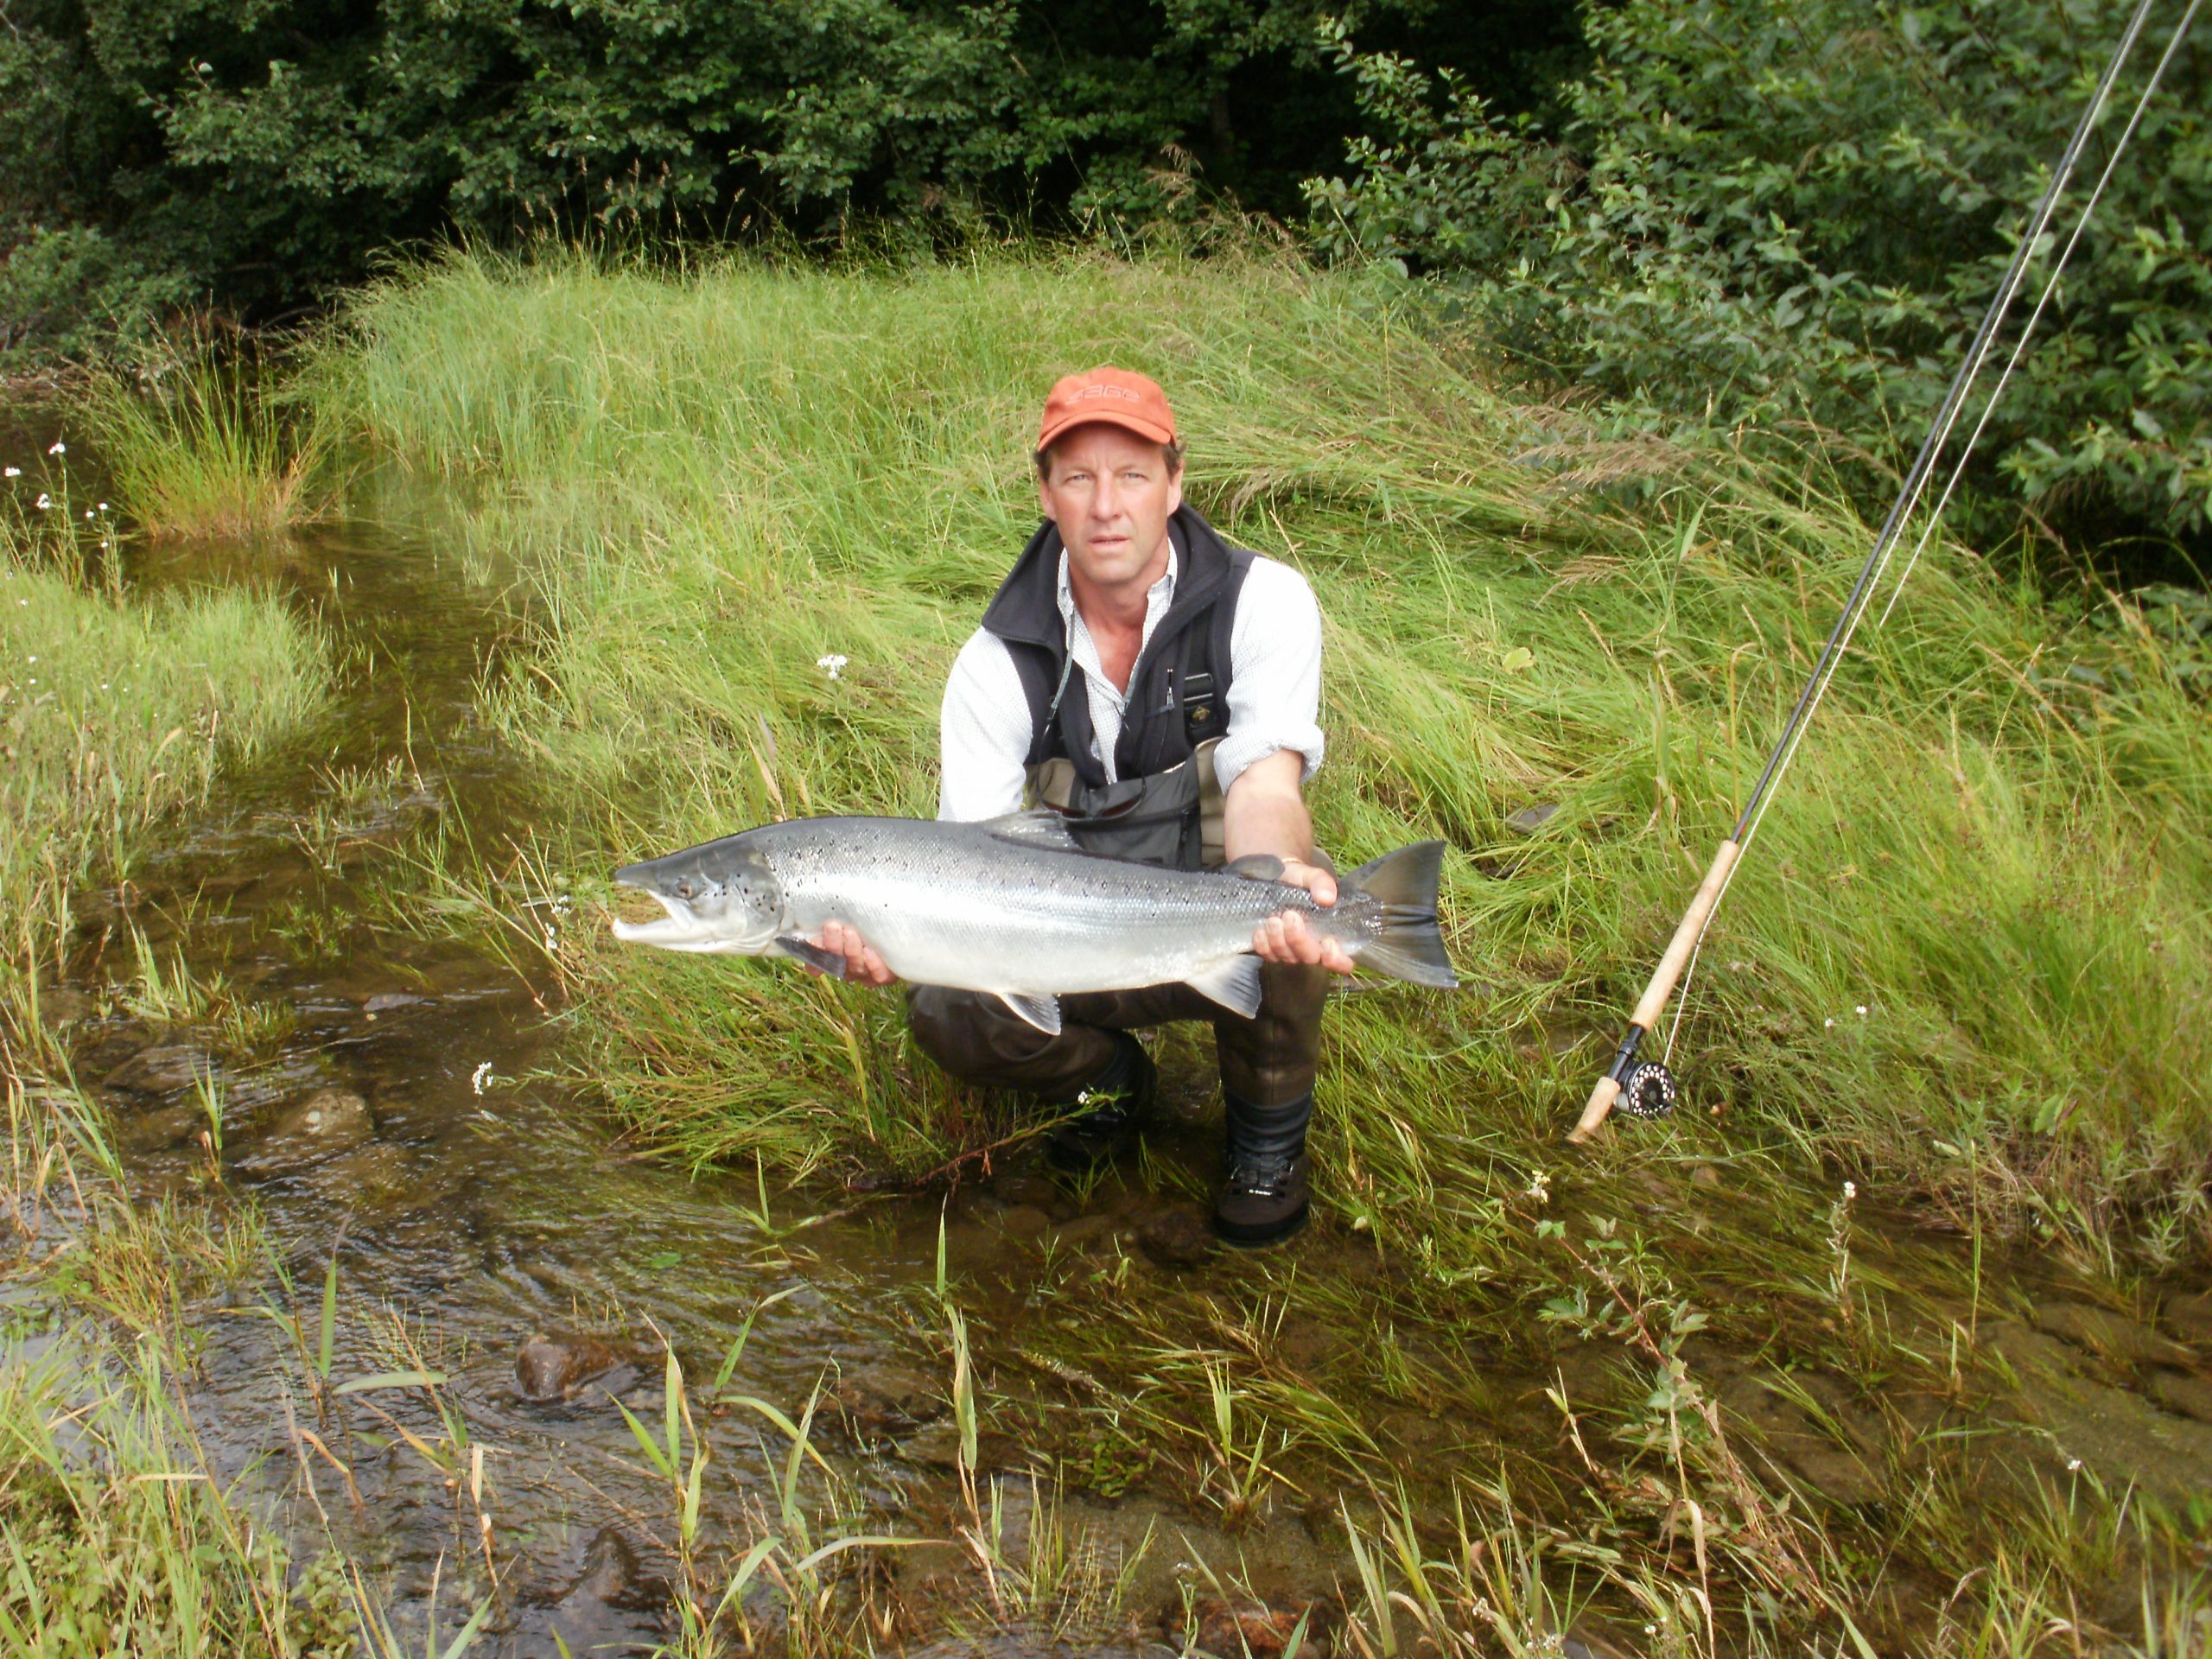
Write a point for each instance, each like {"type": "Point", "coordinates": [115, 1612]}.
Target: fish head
{"type": "Point", "coordinates": [721, 899]}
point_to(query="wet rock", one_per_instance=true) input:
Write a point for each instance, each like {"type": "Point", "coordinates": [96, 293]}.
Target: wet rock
{"type": "Point", "coordinates": [371, 1179]}
{"type": "Point", "coordinates": [1215, 1625]}
{"type": "Point", "coordinates": [1531, 818]}
{"type": "Point", "coordinates": [2190, 1318]}
{"type": "Point", "coordinates": [387, 1002]}
{"type": "Point", "coordinates": [935, 1445]}
{"type": "Point", "coordinates": [1023, 1221]}
{"type": "Point", "coordinates": [162, 1069]}
{"type": "Point", "coordinates": [1181, 1238]}
{"type": "Point", "coordinates": [60, 1005]}
{"type": "Point", "coordinates": [326, 1123]}
{"type": "Point", "coordinates": [1042, 1643]}
{"type": "Point", "coordinates": [553, 1364]}
{"type": "Point", "coordinates": [2114, 1335]}
{"type": "Point", "coordinates": [1084, 1228]}
{"type": "Point", "coordinates": [173, 1126]}
{"type": "Point", "coordinates": [611, 1573]}
{"type": "Point", "coordinates": [880, 1400]}
{"type": "Point", "coordinates": [2183, 1392]}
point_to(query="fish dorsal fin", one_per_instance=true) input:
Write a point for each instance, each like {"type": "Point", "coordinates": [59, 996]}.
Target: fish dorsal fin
{"type": "Point", "coordinates": [1041, 827]}
{"type": "Point", "coordinates": [1255, 867]}
{"type": "Point", "coordinates": [813, 956]}
{"type": "Point", "coordinates": [1234, 983]}
{"type": "Point", "coordinates": [1042, 1012]}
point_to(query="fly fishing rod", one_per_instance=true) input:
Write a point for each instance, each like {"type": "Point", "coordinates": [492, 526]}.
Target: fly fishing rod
{"type": "Point", "coordinates": [1641, 1088]}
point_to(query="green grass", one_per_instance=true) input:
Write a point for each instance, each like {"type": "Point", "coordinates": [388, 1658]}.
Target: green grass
{"type": "Point", "coordinates": [115, 714]}
{"type": "Point", "coordinates": [200, 455]}
{"type": "Point", "coordinates": [717, 477]}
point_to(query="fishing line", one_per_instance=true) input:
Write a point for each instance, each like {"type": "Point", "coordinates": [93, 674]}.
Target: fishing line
{"type": "Point", "coordinates": [1625, 1081]}
{"type": "Point", "coordinates": [1856, 605]}
{"type": "Point", "coordinates": [2028, 329]}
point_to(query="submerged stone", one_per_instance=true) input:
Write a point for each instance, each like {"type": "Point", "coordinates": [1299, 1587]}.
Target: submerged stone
{"type": "Point", "coordinates": [888, 1400]}
{"type": "Point", "coordinates": [161, 1069]}
{"type": "Point", "coordinates": [1181, 1238]}
{"type": "Point", "coordinates": [326, 1123]}
{"type": "Point", "coordinates": [158, 1131]}
{"type": "Point", "coordinates": [2183, 1392]}
{"type": "Point", "coordinates": [2116, 1336]}
{"type": "Point", "coordinates": [553, 1364]}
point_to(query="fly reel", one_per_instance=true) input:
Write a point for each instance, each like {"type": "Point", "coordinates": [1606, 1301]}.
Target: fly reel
{"type": "Point", "coordinates": [1648, 1091]}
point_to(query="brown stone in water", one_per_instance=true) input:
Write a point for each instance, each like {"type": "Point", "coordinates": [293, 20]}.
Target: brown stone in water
{"type": "Point", "coordinates": [2114, 1335]}
{"type": "Point", "coordinates": [60, 1005]}
{"type": "Point", "coordinates": [2190, 1318]}
{"type": "Point", "coordinates": [885, 1400]}
{"type": "Point", "coordinates": [326, 1123]}
{"type": "Point", "coordinates": [1181, 1237]}
{"type": "Point", "coordinates": [158, 1131]}
{"type": "Point", "coordinates": [553, 1364]}
{"type": "Point", "coordinates": [161, 1068]}
{"type": "Point", "coordinates": [2183, 1392]}
{"type": "Point", "coordinates": [1250, 1628]}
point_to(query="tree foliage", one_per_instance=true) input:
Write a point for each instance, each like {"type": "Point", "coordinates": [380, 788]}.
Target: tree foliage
{"type": "Point", "coordinates": [252, 153]}
{"type": "Point", "coordinates": [1757, 211]}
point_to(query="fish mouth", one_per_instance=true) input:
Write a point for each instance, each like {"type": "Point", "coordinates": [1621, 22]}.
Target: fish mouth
{"type": "Point", "coordinates": [680, 929]}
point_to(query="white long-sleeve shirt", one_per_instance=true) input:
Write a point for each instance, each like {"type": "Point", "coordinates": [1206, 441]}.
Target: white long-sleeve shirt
{"type": "Point", "coordinates": [1274, 692]}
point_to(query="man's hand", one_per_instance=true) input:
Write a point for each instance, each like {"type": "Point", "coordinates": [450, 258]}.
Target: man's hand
{"type": "Point", "coordinates": [862, 965]}
{"type": "Point", "coordinates": [1284, 938]}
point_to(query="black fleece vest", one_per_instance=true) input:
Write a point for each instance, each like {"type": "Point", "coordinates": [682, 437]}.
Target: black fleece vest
{"type": "Point", "coordinates": [1179, 689]}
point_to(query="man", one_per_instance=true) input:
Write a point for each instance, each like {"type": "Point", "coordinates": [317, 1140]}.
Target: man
{"type": "Point", "coordinates": [1161, 688]}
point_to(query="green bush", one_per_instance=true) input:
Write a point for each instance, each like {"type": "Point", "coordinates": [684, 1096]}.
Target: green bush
{"type": "Point", "coordinates": [1765, 211]}
{"type": "Point", "coordinates": [252, 158]}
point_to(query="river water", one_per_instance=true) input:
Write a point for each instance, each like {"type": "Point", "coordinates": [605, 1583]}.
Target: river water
{"type": "Point", "coordinates": [483, 1197]}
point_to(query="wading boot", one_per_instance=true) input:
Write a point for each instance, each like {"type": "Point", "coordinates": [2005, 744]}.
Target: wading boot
{"type": "Point", "coordinates": [1107, 1113]}
{"type": "Point", "coordinates": [1263, 1193]}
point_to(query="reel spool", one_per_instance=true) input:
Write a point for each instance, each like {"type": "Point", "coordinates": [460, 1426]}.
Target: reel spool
{"type": "Point", "coordinates": [1648, 1091]}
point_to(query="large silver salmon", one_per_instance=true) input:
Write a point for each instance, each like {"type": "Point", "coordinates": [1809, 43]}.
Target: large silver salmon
{"type": "Point", "coordinates": [1013, 907]}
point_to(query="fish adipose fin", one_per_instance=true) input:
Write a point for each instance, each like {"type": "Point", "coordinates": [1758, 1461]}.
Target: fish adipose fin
{"type": "Point", "coordinates": [1234, 983]}
{"type": "Point", "coordinates": [813, 956]}
{"type": "Point", "coordinates": [1042, 1012]}
{"type": "Point", "coordinates": [1410, 946]}
{"type": "Point", "coordinates": [1042, 828]}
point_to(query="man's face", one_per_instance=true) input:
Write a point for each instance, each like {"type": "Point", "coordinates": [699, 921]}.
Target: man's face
{"type": "Point", "coordinates": [1111, 492]}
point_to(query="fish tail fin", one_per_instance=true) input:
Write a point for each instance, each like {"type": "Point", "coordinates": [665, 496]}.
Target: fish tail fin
{"type": "Point", "coordinates": [1410, 945]}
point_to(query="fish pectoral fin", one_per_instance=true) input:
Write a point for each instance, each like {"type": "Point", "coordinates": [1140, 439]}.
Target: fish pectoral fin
{"type": "Point", "coordinates": [1041, 827]}
{"type": "Point", "coordinates": [1234, 983]}
{"type": "Point", "coordinates": [1042, 1012]}
{"type": "Point", "coordinates": [1255, 867]}
{"type": "Point", "coordinates": [813, 956]}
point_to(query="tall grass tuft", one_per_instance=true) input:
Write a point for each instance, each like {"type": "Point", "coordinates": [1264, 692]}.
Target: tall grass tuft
{"type": "Point", "coordinates": [200, 453]}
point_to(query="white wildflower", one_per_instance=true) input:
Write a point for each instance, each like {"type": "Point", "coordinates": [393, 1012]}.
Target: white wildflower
{"type": "Point", "coordinates": [11, 472]}
{"type": "Point", "coordinates": [58, 448]}
{"type": "Point", "coordinates": [2073, 1465]}
{"type": "Point", "coordinates": [1850, 1191]}
{"type": "Point", "coordinates": [833, 664]}
{"type": "Point", "coordinates": [1862, 1010]}
{"type": "Point", "coordinates": [103, 506]}
{"type": "Point", "coordinates": [44, 500]}
{"type": "Point", "coordinates": [1827, 1024]}
{"type": "Point", "coordinates": [481, 1076]}
{"type": "Point", "coordinates": [1540, 1186]}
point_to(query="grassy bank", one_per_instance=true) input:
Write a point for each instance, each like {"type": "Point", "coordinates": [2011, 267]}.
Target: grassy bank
{"type": "Point", "coordinates": [1969, 951]}
{"type": "Point", "coordinates": [1963, 969]}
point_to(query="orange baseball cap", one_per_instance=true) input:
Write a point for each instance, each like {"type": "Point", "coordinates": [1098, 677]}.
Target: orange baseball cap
{"type": "Point", "coordinates": [1117, 396]}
